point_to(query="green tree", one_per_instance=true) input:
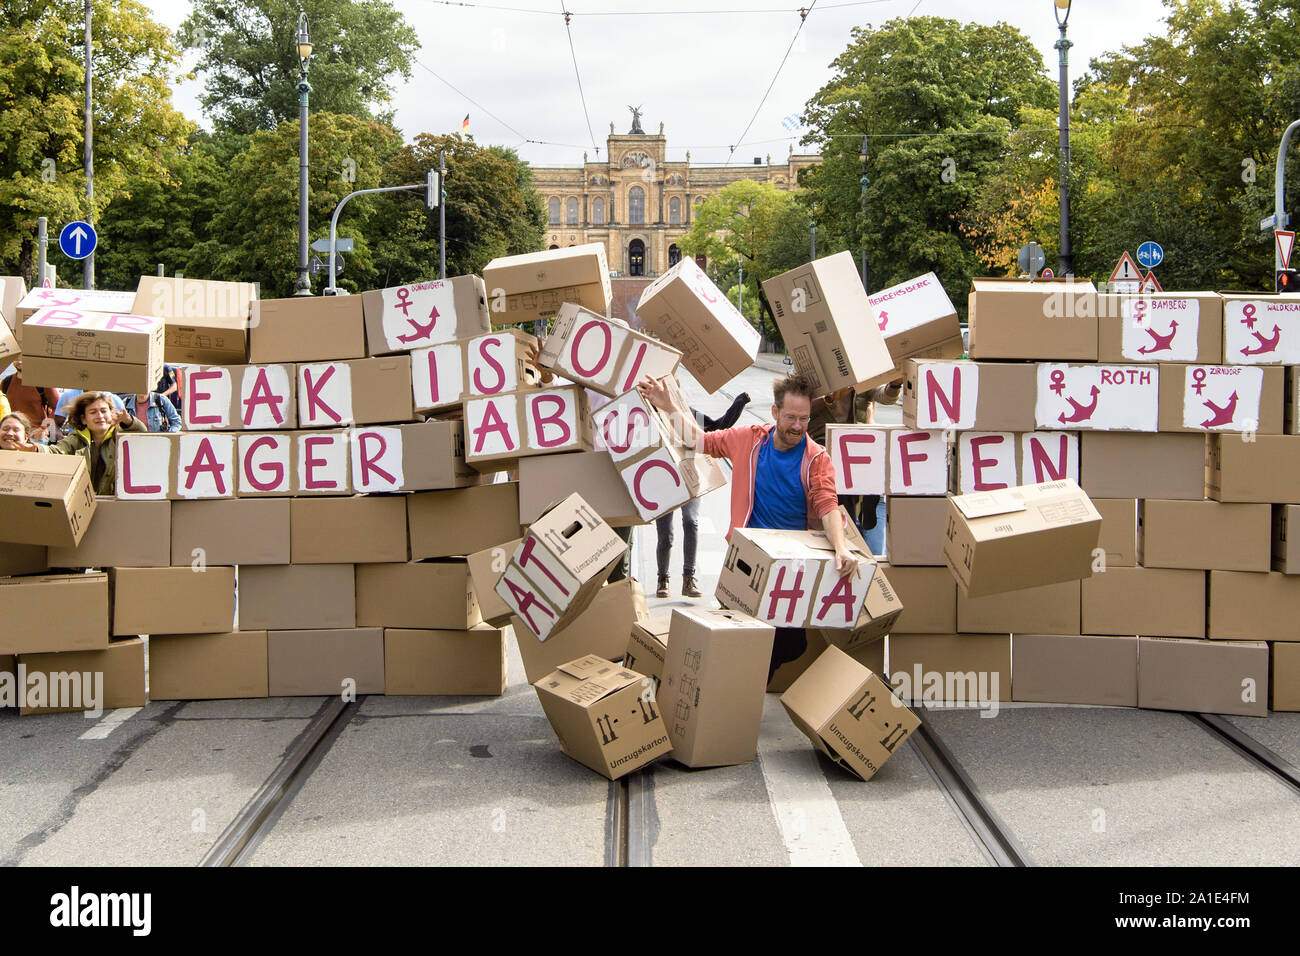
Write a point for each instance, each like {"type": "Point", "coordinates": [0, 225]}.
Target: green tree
{"type": "Point", "coordinates": [42, 76]}
{"type": "Point", "coordinates": [251, 66]}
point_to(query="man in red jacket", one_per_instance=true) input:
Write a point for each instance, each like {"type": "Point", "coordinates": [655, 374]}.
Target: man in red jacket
{"type": "Point", "coordinates": [780, 479]}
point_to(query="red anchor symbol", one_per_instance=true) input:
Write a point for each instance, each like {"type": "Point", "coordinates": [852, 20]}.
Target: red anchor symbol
{"type": "Point", "coordinates": [421, 331]}
{"type": "Point", "coordinates": [1081, 413]}
{"type": "Point", "coordinates": [1249, 311]}
{"type": "Point", "coordinates": [1222, 416]}
{"type": "Point", "coordinates": [1198, 378]}
{"type": "Point", "coordinates": [1163, 343]}
{"type": "Point", "coordinates": [884, 321]}
{"type": "Point", "coordinates": [1265, 345]}
{"type": "Point", "coordinates": [404, 301]}
{"type": "Point", "coordinates": [1058, 381]}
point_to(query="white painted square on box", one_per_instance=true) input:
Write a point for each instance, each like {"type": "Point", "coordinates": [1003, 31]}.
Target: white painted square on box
{"type": "Point", "coordinates": [918, 462]}
{"type": "Point", "coordinates": [787, 592]}
{"type": "Point", "coordinates": [625, 426]}
{"type": "Point", "coordinates": [376, 460]}
{"type": "Point", "coordinates": [144, 461]}
{"type": "Point", "coordinates": [858, 454]}
{"type": "Point", "coordinates": [656, 484]}
{"type": "Point", "coordinates": [1049, 456]}
{"type": "Point", "coordinates": [987, 461]}
{"type": "Point", "coordinates": [491, 367]}
{"type": "Point", "coordinates": [839, 600]}
{"type": "Point", "coordinates": [322, 462]}
{"type": "Point", "coordinates": [1160, 330]}
{"type": "Point", "coordinates": [206, 466]}
{"type": "Point", "coordinates": [264, 460]}
{"type": "Point", "coordinates": [207, 399]}
{"type": "Point", "coordinates": [552, 418]}
{"type": "Point", "coordinates": [264, 394]}
{"type": "Point", "coordinates": [418, 315]}
{"type": "Point", "coordinates": [528, 603]}
{"type": "Point", "coordinates": [437, 376]}
{"type": "Point", "coordinates": [324, 394]}
{"type": "Point", "coordinates": [947, 394]}
{"type": "Point", "coordinates": [591, 352]}
{"type": "Point", "coordinates": [1222, 398]}
{"type": "Point", "coordinates": [1098, 397]}
{"type": "Point", "coordinates": [492, 426]}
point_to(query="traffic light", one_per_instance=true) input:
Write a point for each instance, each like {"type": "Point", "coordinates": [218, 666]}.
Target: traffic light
{"type": "Point", "coordinates": [432, 188]}
{"type": "Point", "coordinates": [1288, 280]}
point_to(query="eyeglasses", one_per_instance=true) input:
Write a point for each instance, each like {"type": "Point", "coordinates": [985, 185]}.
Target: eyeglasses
{"type": "Point", "coordinates": [795, 419]}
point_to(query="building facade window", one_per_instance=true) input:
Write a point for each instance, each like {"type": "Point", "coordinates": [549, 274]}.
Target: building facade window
{"type": "Point", "coordinates": [598, 212]}
{"type": "Point", "coordinates": [553, 208]}
{"type": "Point", "coordinates": [571, 212]}
{"type": "Point", "coordinates": [636, 258]}
{"type": "Point", "coordinates": [674, 212]}
{"type": "Point", "coordinates": [636, 206]}
{"type": "Point", "coordinates": [674, 255]}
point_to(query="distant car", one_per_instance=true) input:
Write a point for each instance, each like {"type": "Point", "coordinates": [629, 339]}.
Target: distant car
{"type": "Point", "coordinates": [787, 360]}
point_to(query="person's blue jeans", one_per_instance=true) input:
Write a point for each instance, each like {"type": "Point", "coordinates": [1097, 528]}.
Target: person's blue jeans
{"type": "Point", "coordinates": [875, 537]}
{"type": "Point", "coordinates": [690, 534]}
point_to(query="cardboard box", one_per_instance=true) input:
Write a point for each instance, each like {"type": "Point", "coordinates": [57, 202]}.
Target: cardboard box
{"type": "Point", "coordinates": [714, 682]}
{"type": "Point", "coordinates": [224, 397]}
{"type": "Point", "coordinates": [1221, 398]}
{"type": "Point", "coordinates": [501, 429]}
{"type": "Point", "coordinates": [788, 579]}
{"type": "Point", "coordinates": [918, 320]}
{"type": "Point", "coordinates": [920, 462]}
{"type": "Point", "coordinates": [485, 570]}
{"type": "Point", "coordinates": [828, 325]}
{"type": "Point", "coordinates": [545, 480]}
{"type": "Point", "coordinates": [83, 300]}
{"type": "Point", "coordinates": [1262, 469]}
{"type": "Point", "coordinates": [1285, 684]}
{"type": "Point", "coordinates": [359, 530]}
{"type": "Point", "coordinates": [93, 350]}
{"type": "Point", "coordinates": [1020, 537]}
{"type": "Point", "coordinates": [1160, 327]}
{"type": "Point", "coordinates": [208, 666]}
{"type": "Point", "coordinates": [408, 317]}
{"type": "Point", "coordinates": [178, 465]}
{"type": "Point", "coordinates": [1122, 465]}
{"type": "Point", "coordinates": [601, 629]}
{"type": "Point", "coordinates": [124, 534]}
{"type": "Point", "coordinates": [13, 289]}
{"type": "Point", "coordinates": [685, 309]}
{"type": "Point", "coordinates": [308, 329]}
{"type": "Point", "coordinates": [1050, 609]}
{"type": "Point", "coordinates": [1209, 535]}
{"type": "Point", "coordinates": [44, 499]}
{"type": "Point", "coordinates": [988, 396]}
{"type": "Point", "coordinates": [457, 662]}
{"type": "Point", "coordinates": [1075, 669]}
{"type": "Point", "coordinates": [287, 597]}
{"type": "Point", "coordinates": [1208, 677]}
{"type": "Point", "coordinates": [914, 530]}
{"type": "Point", "coordinates": [1246, 606]}
{"type": "Point", "coordinates": [1098, 397]}
{"type": "Point", "coordinates": [113, 675]}
{"type": "Point", "coordinates": [424, 594]}
{"type": "Point", "coordinates": [1286, 539]}
{"type": "Point", "coordinates": [206, 322]}
{"type": "Point", "coordinates": [564, 558]}
{"type": "Point", "coordinates": [398, 458]}
{"type": "Point", "coordinates": [238, 531]}
{"type": "Point", "coordinates": [880, 613]}
{"type": "Point", "coordinates": [1165, 602]}
{"type": "Point", "coordinates": [604, 354]}
{"type": "Point", "coordinates": [1261, 329]}
{"type": "Point", "coordinates": [929, 597]}
{"type": "Point", "coordinates": [325, 663]}
{"type": "Point", "coordinates": [848, 713]}
{"type": "Point", "coordinates": [989, 461]}
{"type": "Point", "coordinates": [962, 669]}
{"type": "Point", "coordinates": [372, 391]}
{"type": "Point", "coordinates": [1291, 391]}
{"type": "Point", "coordinates": [585, 698]}
{"type": "Point", "coordinates": [461, 521]}
{"type": "Point", "coordinates": [24, 559]}
{"type": "Point", "coordinates": [317, 463]}
{"type": "Point", "coordinates": [647, 648]}
{"type": "Point", "coordinates": [1048, 456]}
{"type": "Point", "coordinates": [533, 286]}
{"type": "Point", "coordinates": [860, 456]}
{"type": "Point", "coordinates": [54, 612]}
{"type": "Point", "coordinates": [1037, 320]}
{"type": "Point", "coordinates": [172, 600]}
{"type": "Point", "coordinates": [1118, 531]}
{"type": "Point", "coordinates": [443, 376]}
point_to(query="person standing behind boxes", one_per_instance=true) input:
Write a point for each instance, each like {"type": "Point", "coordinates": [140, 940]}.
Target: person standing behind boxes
{"type": "Point", "coordinates": [36, 403]}
{"type": "Point", "coordinates": [95, 422]}
{"type": "Point", "coordinates": [781, 479]}
{"type": "Point", "coordinates": [15, 432]}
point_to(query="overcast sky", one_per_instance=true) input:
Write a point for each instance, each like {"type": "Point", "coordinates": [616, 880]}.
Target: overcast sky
{"type": "Point", "coordinates": [704, 85]}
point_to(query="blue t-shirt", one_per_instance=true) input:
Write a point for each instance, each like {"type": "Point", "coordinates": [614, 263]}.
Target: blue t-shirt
{"type": "Point", "coordinates": [779, 499]}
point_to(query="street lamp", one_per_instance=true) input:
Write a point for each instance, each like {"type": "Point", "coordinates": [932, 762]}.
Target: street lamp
{"type": "Point", "coordinates": [1067, 256]}
{"type": "Point", "coordinates": [304, 89]}
{"type": "Point", "coordinates": [864, 182]}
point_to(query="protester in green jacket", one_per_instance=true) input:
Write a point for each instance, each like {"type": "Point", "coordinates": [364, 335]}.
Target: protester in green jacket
{"type": "Point", "coordinates": [95, 423]}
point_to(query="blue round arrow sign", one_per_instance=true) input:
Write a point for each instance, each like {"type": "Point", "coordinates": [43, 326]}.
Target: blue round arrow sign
{"type": "Point", "coordinates": [77, 240]}
{"type": "Point", "coordinates": [1150, 254]}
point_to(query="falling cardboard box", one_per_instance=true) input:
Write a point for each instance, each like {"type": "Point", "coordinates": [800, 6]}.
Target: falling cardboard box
{"type": "Point", "coordinates": [604, 354]}
{"type": "Point", "coordinates": [500, 429]}
{"type": "Point", "coordinates": [604, 714]}
{"type": "Point", "coordinates": [1015, 319]}
{"type": "Point", "coordinates": [848, 713]}
{"type": "Point", "coordinates": [207, 322]}
{"type": "Point", "coordinates": [1020, 537]}
{"type": "Point", "coordinates": [560, 565]}
{"type": "Point", "coordinates": [918, 320]}
{"type": "Point", "coordinates": [823, 313]}
{"type": "Point", "coordinates": [443, 376]}
{"type": "Point", "coordinates": [659, 474]}
{"type": "Point", "coordinates": [533, 286]}
{"type": "Point", "coordinates": [788, 579]}
{"type": "Point", "coordinates": [93, 350]}
{"type": "Point", "coordinates": [714, 683]}
{"type": "Point", "coordinates": [409, 317]}
{"type": "Point", "coordinates": [685, 309]}
{"type": "Point", "coordinates": [44, 499]}
{"type": "Point", "coordinates": [83, 300]}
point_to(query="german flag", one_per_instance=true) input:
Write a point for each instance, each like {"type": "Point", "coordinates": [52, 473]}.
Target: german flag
{"type": "Point", "coordinates": [464, 126]}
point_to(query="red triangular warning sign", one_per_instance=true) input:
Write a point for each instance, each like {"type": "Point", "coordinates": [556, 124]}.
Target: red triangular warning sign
{"type": "Point", "coordinates": [1150, 284]}
{"type": "Point", "coordinates": [1126, 270]}
{"type": "Point", "coordinates": [1285, 243]}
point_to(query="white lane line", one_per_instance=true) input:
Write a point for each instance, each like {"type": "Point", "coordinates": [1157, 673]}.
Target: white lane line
{"type": "Point", "coordinates": [806, 812]}
{"type": "Point", "coordinates": [112, 720]}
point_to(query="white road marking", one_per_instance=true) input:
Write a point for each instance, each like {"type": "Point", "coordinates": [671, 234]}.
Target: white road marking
{"type": "Point", "coordinates": [112, 720]}
{"type": "Point", "coordinates": [812, 827]}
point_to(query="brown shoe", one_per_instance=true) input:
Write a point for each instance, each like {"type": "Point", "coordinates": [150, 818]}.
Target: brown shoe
{"type": "Point", "coordinates": [663, 586]}
{"type": "Point", "coordinates": [688, 587]}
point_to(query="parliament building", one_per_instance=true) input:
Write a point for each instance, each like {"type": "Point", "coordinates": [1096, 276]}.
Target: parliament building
{"type": "Point", "coordinates": [637, 203]}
